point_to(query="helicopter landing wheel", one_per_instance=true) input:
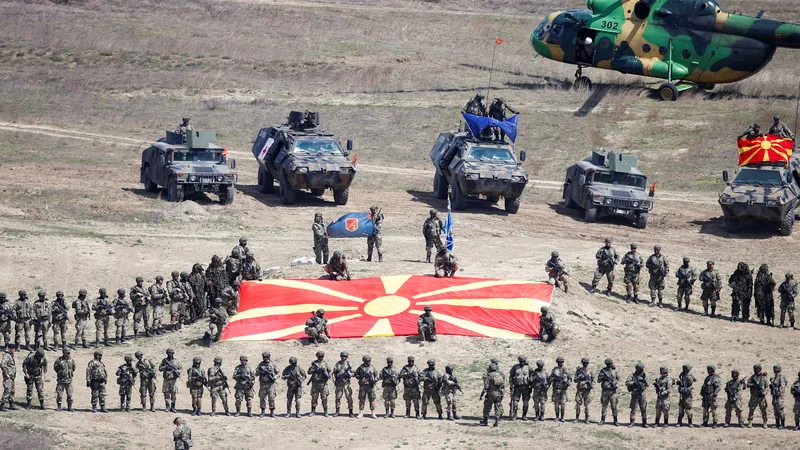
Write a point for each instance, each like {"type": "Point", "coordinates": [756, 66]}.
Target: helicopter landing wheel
{"type": "Point", "coordinates": [582, 83]}
{"type": "Point", "coordinates": [668, 92]}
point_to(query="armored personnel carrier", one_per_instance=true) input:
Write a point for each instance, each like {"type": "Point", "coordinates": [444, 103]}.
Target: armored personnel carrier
{"type": "Point", "coordinates": [766, 192]}
{"type": "Point", "coordinates": [186, 164]}
{"type": "Point", "coordinates": [300, 156]}
{"type": "Point", "coordinates": [477, 167]}
{"type": "Point", "coordinates": [607, 183]}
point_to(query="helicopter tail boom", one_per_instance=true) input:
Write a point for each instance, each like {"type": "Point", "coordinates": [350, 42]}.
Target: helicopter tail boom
{"type": "Point", "coordinates": [779, 34]}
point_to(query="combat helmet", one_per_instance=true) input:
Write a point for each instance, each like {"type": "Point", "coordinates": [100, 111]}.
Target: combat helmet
{"type": "Point", "coordinates": [320, 354]}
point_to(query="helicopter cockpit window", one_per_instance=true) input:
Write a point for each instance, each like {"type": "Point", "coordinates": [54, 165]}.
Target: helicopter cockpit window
{"type": "Point", "coordinates": [555, 34]}
{"type": "Point", "coordinates": [542, 29]}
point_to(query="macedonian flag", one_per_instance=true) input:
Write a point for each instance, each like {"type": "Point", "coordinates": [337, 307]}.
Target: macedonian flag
{"type": "Point", "coordinates": [390, 306]}
{"type": "Point", "coordinates": [765, 149]}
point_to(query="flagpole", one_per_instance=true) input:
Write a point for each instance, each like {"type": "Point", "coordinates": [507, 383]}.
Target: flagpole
{"type": "Point", "coordinates": [491, 70]}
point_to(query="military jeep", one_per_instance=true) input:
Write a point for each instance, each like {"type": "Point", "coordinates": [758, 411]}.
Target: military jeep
{"type": "Point", "coordinates": [301, 156]}
{"type": "Point", "coordinates": [185, 165]}
{"type": "Point", "coordinates": [607, 183]}
{"type": "Point", "coordinates": [764, 192]}
{"type": "Point", "coordinates": [477, 167]}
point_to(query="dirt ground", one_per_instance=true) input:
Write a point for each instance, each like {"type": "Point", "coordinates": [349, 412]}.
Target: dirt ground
{"type": "Point", "coordinates": [73, 215]}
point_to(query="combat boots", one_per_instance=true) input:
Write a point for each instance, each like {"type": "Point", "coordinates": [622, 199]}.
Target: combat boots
{"type": "Point", "coordinates": [408, 412]}
{"type": "Point", "coordinates": [117, 341]}
{"type": "Point", "coordinates": [238, 411]}
{"type": "Point", "coordinates": [690, 421]}
{"type": "Point", "coordinates": [796, 424]}
{"type": "Point", "coordinates": [680, 419]}
{"type": "Point", "coordinates": [69, 407]}
{"type": "Point", "coordinates": [449, 416]}
{"type": "Point", "coordinates": [249, 411]}
{"type": "Point", "coordinates": [616, 422]}
{"type": "Point", "coordinates": [455, 414]}
{"type": "Point", "coordinates": [705, 310]}
{"type": "Point", "coordinates": [97, 343]}
{"type": "Point", "coordinates": [2, 406]}
{"type": "Point", "coordinates": [351, 413]}
{"type": "Point", "coordinates": [263, 412]}
{"type": "Point", "coordinates": [28, 405]}
{"type": "Point", "coordinates": [105, 342]}
{"type": "Point", "coordinates": [602, 420]}
{"type": "Point", "coordinates": [496, 422]}
{"type": "Point", "coordinates": [272, 412]}
{"type": "Point", "coordinates": [524, 413]}
{"type": "Point", "coordinates": [336, 414]}
{"type": "Point", "coordinates": [644, 422]}
{"type": "Point", "coordinates": [628, 298]}
{"type": "Point", "coordinates": [636, 298]}
{"type": "Point", "coordinates": [313, 411]}
{"type": "Point", "coordinates": [325, 412]}
{"type": "Point", "coordinates": [713, 311]}
{"type": "Point", "coordinates": [58, 407]}
{"type": "Point", "coordinates": [485, 421]}
{"type": "Point", "coordinates": [666, 421]}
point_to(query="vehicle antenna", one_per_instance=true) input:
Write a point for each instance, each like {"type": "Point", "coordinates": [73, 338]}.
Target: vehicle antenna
{"type": "Point", "coordinates": [497, 42]}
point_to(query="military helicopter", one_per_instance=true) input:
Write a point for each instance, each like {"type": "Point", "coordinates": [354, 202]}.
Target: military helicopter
{"type": "Point", "coordinates": [690, 43]}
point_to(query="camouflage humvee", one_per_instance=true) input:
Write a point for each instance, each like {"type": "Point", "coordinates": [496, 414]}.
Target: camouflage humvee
{"type": "Point", "coordinates": [301, 156]}
{"type": "Point", "coordinates": [185, 165]}
{"type": "Point", "coordinates": [767, 192]}
{"type": "Point", "coordinates": [477, 167]}
{"type": "Point", "coordinates": [607, 183]}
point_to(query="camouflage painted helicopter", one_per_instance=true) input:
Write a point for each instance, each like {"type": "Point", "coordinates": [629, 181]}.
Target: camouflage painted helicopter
{"type": "Point", "coordinates": [690, 43]}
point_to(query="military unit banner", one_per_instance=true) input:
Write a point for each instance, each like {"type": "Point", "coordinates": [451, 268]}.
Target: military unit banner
{"type": "Point", "coordinates": [765, 149]}
{"type": "Point", "coordinates": [390, 306]}
{"type": "Point", "coordinates": [352, 225]}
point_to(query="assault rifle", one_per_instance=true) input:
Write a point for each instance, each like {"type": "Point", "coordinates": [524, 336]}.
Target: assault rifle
{"type": "Point", "coordinates": [775, 389]}
{"type": "Point", "coordinates": [559, 270]}
{"type": "Point", "coordinates": [429, 379]}
{"type": "Point", "coordinates": [148, 372]}
{"type": "Point", "coordinates": [107, 308]}
{"type": "Point", "coordinates": [783, 289]}
{"type": "Point", "coordinates": [137, 295]}
{"type": "Point", "coordinates": [795, 390]}
{"type": "Point", "coordinates": [315, 368]}
{"type": "Point", "coordinates": [224, 381]}
{"type": "Point", "coordinates": [543, 382]}
{"type": "Point", "coordinates": [59, 312]}
{"type": "Point", "coordinates": [684, 385]}
{"type": "Point", "coordinates": [705, 278]}
{"type": "Point", "coordinates": [361, 373]}
{"type": "Point", "coordinates": [455, 384]}
{"type": "Point", "coordinates": [127, 376]}
{"type": "Point", "coordinates": [247, 381]}
{"type": "Point", "coordinates": [345, 375]}
{"type": "Point", "coordinates": [408, 377]}
{"type": "Point", "coordinates": [732, 390]}
{"type": "Point", "coordinates": [268, 373]}
{"type": "Point", "coordinates": [386, 376]}
{"type": "Point", "coordinates": [582, 377]}
{"type": "Point", "coordinates": [559, 380]}
{"type": "Point", "coordinates": [198, 377]}
{"type": "Point", "coordinates": [607, 257]}
{"type": "Point", "coordinates": [661, 391]}
{"type": "Point", "coordinates": [684, 278]}
{"type": "Point", "coordinates": [171, 368]}
{"type": "Point", "coordinates": [637, 385]}
{"type": "Point", "coordinates": [122, 307]}
{"type": "Point", "coordinates": [288, 372]}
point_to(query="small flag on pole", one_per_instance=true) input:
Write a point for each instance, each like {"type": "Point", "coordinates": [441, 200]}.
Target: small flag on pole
{"type": "Point", "coordinates": [498, 41]}
{"type": "Point", "coordinates": [355, 158]}
{"type": "Point", "coordinates": [448, 229]}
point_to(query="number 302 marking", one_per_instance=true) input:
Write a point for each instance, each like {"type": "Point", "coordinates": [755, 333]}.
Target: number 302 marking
{"type": "Point", "coordinates": [609, 25]}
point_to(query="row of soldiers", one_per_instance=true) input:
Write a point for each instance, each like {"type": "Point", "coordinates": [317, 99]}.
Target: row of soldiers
{"type": "Point", "coordinates": [420, 387]}
{"type": "Point", "coordinates": [742, 283]}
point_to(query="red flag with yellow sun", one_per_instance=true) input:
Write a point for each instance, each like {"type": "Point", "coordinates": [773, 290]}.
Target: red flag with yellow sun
{"type": "Point", "coordinates": [765, 149]}
{"type": "Point", "coordinates": [390, 306]}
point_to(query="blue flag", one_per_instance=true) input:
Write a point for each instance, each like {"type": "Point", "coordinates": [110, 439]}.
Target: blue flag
{"type": "Point", "coordinates": [477, 124]}
{"type": "Point", "coordinates": [352, 225]}
{"type": "Point", "coordinates": [448, 229]}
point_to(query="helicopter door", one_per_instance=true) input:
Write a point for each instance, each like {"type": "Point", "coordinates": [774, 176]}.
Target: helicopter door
{"type": "Point", "coordinates": [585, 46]}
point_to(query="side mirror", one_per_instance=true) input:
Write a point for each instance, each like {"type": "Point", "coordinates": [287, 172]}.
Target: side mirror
{"type": "Point", "coordinates": [523, 155]}
{"type": "Point", "coordinates": [582, 180]}
{"type": "Point", "coordinates": [652, 192]}
{"type": "Point", "coordinates": [349, 145]}
{"type": "Point", "coordinates": [725, 176]}
{"type": "Point", "coordinates": [233, 164]}
{"type": "Point", "coordinates": [170, 156]}
{"type": "Point", "coordinates": [162, 161]}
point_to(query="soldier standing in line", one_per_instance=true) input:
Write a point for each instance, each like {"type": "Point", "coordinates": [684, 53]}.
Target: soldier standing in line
{"type": "Point", "coordinates": [584, 383]}
{"type": "Point", "coordinates": [796, 394]}
{"type": "Point", "coordinates": [103, 310]}
{"type": "Point", "coordinates": [685, 389]}
{"type": "Point", "coordinates": [540, 386]}
{"type": "Point", "coordinates": [6, 313]}
{"type": "Point", "coordinates": [777, 387]}
{"type": "Point", "coordinates": [663, 386]}
{"type": "Point", "coordinates": [609, 383]}
{"type": "Point", "coordinates": [426, 325]}
{"type": "Point", "coordinates": [34, 367]}
{"type": "Point", "coordinates": [757, 383]}
{"type": "Point", "coordinates": [320, 374]}
{"type": "Point", "coordinates": [788, 291]}
{"type": "Point", "coordinates": [632, 264]}
{"type": "Point", "coordinates": [140, 298]}
{"type": "Point", "coordinates": [637, 386]}
{"type": "Point", "coordinates": [449, 388]}
{"type": "Point", "coordinates": [243, 389]}
{"type": "Point", "coordinates": [741, 283]}
{"type": "Point", "coordinates": [122, 310]}
{"type": "Point", "coordinates": [432, 231]}
{"type": "Point", "coordinates": [560, 379]}
{"type": "Point", "coordinates": [126, 376]}
{"type": "Point", "coordinates": [218, 386]}
{"type": "Point", "coordinates": [376, 240]}
{"type": "Point", "coordinates": [42, 312]}
{"type": "Point", "coordinates": [734, 388]}
{"type": "Point", "coordinates": [780, 129]}
{"type": "Point", "coordinates": [170, 370]}
{"type": "Point", "coordinates": [147, 381]}
{"type": "Point", "coordinates": [494, 385]}
{"type": "Point", "coordinates": [762, 290]}
{"type": "Point", "coordinates": [686, 278]}
{"type": "Point", "coordinates": [431, 381]}
{"type": "Point", "coordinates": [710, 390]}
{"type": "Point", "coordinates": [64, 367]}
{"type": "Point", "coordinates": [158, 297]}
{"type": "Point", "coordinates": [82, 310]}
{"type": "Point", "coordinates": [23, 313]}
{"type": "Point", "coordinates": [557, 271]}
{"type": "Point", "coordinates": [196, 382]}
{"type": "Point", "coordinates": [60, 317]}
{"type": "Point", "coordinates": [607, 257]}
{"type": "Point", "coordinates": [342, 373]}
{"type": "Point", "coordinates": [294, 376]}
{"type": "Point", "coordinates": [189, 313]}
{"type": "Point", "coordinates": [519, 379]}
{"type": "Point", "coordinates": [367, 378]}
{"type": "Point", "coordinates": [320, 230]}
{"type": "Point", "coordinates": [658, 267]}
{"type": "Point", "coordinates": [711, 283]}
{"type": "Point", "coordinates": [96, 378]}
{"type": "Point", "coordinates": [410, 376]}
{"type": "Point", "coordinates": [267, 373]}
{"type": "Point", "coordinates": [337, 267]}
{"type": "Point", "coordinates": [389, 380]}
{"type": "Point", "coordinates": [177, 300]}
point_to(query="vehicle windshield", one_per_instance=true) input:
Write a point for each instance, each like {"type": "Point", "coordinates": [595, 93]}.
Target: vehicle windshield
{"type": "Point", "coordinates": [619, 179]}
{"type": "Point", "coordinates": [489, 154]}
{"type": "Point", "coordinates": [318, 146]}
{"type": "Point", "coordinates": [762, 177]}
{"type": "Point", "coordinates": [198, 156]}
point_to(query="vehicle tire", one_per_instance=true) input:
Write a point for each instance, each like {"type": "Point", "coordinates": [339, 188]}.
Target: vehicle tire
{"type": "Point", "coordinates": [590, 213]}
{"type": "Point", "coordinates": [173, 193]}
{"type": "Point", "coordinates": [641, 221]}
{"type": "Point", "coordinates": [512, 205]}
{"type": "Point", "coordinates": [459, 199]}
{"type": "Point", "coordinates": [266, 182]}
{"type": "Point", "coordinates": [149, 186]}
{"type": "Point", "coordinates": [226, 195]}
{"type": "Point", "coordinates": [668, 92]}
{"type": "Point", "coordinates": [317, 192]}
{"type": "Point", "coordinates": [582, 83]}
{"type": "Point", "coordinates": [340, 196]}
{"type": "Point", "coordinates": [493, 199]}
{"type": "Point", "coordinates": [787, 223]}
{"type": "Point", "coordinates": [732, 225]}
{"type": "Point", "coordinates": [439, 186]}
{"type": "Point", "coordinates": [568, 201]}
{"type": "Point", "coordinates": [288, 195]}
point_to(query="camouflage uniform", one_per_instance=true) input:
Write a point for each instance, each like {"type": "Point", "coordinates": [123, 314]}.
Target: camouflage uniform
{"type": "Point", "coordinates": [788, 291]}
{"type": "Point", "coordinates": [494, 385]}
{"type": "Point", "coordinates": [432, 231]}
{"type": "Point", "coordinates": [267, 372]}
{"type": "Point", "coordinates": [177, 299]}
{"type": "Point", "coordinates": [584, 383]}
{"type": "Point", "coordinates": [182, 435]}
{"type": "Point", "coordinates": [780, 129]}
{"type": "Point", "coordinates": [140, 297]}
{"type": "Point", "coordinates": [190, 299]}
{"type": "Point", "coordinates": [734, 388]}
{"type": "Point", "coordinates": [376, 240]}
{"type": "Point", "coordinates": [497, 110]}
{"type": "Point", "coordinates": [96, 378]}
{"type": "Point", "coordinates": [218, 386]}
{"type": "Point", "coordinates": [757, 383]}
{"type": "Point", "coordinates": [632, 263]}
{"type": "Point", "coordinates": [6, 314]}
{"type": "Point", "coordinates": [557, 272]}
{"type": "Point", "coordinates": [795, 391]}
{"type": "Point", "coordinates": [663, 386]}
{"type": "Point", "coordinates": [122, 311]}
{"type": "Point", "coordinates": [126, 377]}
{"type": "Point", "coordinates": [320, 373]}
{"type": "Point", "coordinates": [170, 370]}
{"type": "Point", "coordinates": [426, 326]}
{"type": "Point", "coordinates": [230, 298]}
{"type": "Point", "coordinates": [540, 386]}
{"type": "Point", "coordinates": [243, 389]}
{"type": "Point", "coordinates": [637, 386]}
{"type": "Point", "coordinates": [685, 389]}
{"type": "Point", "coordinates": [763, 289]}
{"type": "Point", "coordinates": [158, 298]}
{"type": "Point", "coordinates": [8, 369]}
{"type": "Point", "coordinates": [446, 264]}
{"type": "Point", "coordinates": [217, 278]}
{"type": "Point", "coordinates": [196, 382]}
{"type": "Point", "coordinates": [475, 106]}
{"type": "Point", "coordinates": [431, 382]}
{"type": "Point", "coordinates": [410, 376]}
{"type": "Point", "coordinates": [233, 265]}
{"type": "Point", "coordinates": [23, 313]}
{"type": "Point", "coordinates": [519, 378]}
{"type": "Point", "coordinates": [548, 330]}
{"type": "Point", "coordinates": [294, 376]}
{"type": "Point", "coordinates": [686, 278]}
{"type": "Point", "coordinates": [752, 132]}
{"type": "Point", "coordinates": [147, 381]}
{"type": "Point", "coordinates": [198, 281]}
{"type": "Point", "coordinates": [34, 367]}
{"type": "Point", "coordinates": [82, 310]}
{"type": "Point", "coordinates": [317, 327]}
{"type": "Point", "coordinates": [711, 283]}
{"type": "Point", "coordinates": [103, 310]}
{"type": "Point", "coordinates": [710, 390]}
{"type": "Point", "coordinates": [367, 378]}
{"type": "Point", "coordinates": [658, 266]}
{"type": "Point", "coordinates": [251, 270]}
{"type": "Point", "coordinates": [741, 283]}
{"type": "Point", "coordinates": [320, 231]}
{"type": "Point", "coordinates": [42, 313]}
{"type": "Point", "coordinates": [337, 267]}
{"type": "Point", "coordinates": [559, 379]}
{"type": "Point", "coordinates": [60, 317]}
{"type": "Point", "coordinates": [389, 380]}
{"type": "Point", "coordinates": [607, 257]}
{"type": "Point", "coordinates": [609, 383]}
{"type": "Point", "coordinates": [777, 387]}
{"type": "Point", "coordinates": [342, 372]}
{"type": "Point", "coordinates": [64, 367]}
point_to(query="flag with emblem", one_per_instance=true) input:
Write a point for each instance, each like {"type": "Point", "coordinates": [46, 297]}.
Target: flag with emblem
{"type": "Point", "coordinates": [448, 229]}
{"type": "Point", "coordinates": [352, 225]}
{"type": "Point", "coordinates": [765, 149]}
{"type": "Point", "coordinates": [390, 306]}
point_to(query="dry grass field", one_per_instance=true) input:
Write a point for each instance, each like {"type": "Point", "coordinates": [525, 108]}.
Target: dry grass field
{"type": "Point", "coordinates": [87, 84]}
